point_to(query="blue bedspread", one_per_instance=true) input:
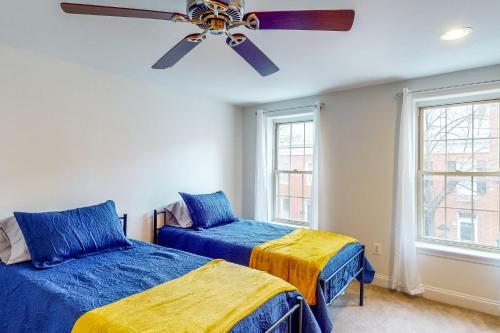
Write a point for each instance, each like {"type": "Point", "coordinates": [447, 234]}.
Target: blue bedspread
{"type": "Point", "coordinates": [51, 300]}
{"type": "Point", "coordinates": [234, 242]}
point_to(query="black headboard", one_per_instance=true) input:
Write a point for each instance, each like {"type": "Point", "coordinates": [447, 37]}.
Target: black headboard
{"type": "Point", "coordinates": [124, 222]}
{"type": "Point", "coordinates": [156, 227]}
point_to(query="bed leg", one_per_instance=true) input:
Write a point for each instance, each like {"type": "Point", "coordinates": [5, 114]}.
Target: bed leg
{"type": "Point", "coordinates": [155, 226]}
{"type": "Point", "coordinates": [322, 285]}
{"type": "Point", "coordinates": [125, 220]}
{"type": "Point", "coordinates": [299, 319]}
{"type": "Point", "coordinates": [362, 278]}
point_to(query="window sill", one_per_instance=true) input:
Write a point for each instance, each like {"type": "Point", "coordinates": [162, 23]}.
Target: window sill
{"type": "Point", "coordinates": [443, 251]}
{"type": "Point", "coordinates": [287, 225]}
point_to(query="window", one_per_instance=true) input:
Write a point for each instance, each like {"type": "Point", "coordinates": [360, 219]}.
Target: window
{"type": "Point", "coordinates": [293, 172]}
{"type": "Point", "coordinates": [459, 174]}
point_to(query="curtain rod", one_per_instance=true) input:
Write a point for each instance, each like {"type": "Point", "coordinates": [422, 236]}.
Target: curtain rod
{"type": "Point", "coordinates": [453, 87]}
{"type": "Point", "coordinates": [289, 109]}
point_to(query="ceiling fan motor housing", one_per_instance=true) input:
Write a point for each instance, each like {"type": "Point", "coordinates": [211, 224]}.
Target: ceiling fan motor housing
{"type": "Point", "coordinates": [215, 15]}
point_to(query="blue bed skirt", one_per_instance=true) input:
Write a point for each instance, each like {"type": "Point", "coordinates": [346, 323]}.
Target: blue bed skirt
{"type": "Point", "coordinates": [51, 300]}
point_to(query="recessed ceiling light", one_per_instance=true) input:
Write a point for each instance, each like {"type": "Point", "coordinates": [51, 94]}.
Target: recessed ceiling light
{"type": "Point", "coordinates": [454, 34]}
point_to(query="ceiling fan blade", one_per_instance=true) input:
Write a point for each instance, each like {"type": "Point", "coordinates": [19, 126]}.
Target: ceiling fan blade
{"type": "Point", "coordinates": [179, 51]}
{"type": "Point", "coordinates": [76, 8]}
{"type": "Point", "coordinates": [322, 20]}
{"type": "Point", "coordinates": [252, 54]}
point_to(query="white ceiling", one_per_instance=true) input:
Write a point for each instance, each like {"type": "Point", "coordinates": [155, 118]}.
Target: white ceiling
{"type": "Point", "coordinates": [390, 40]}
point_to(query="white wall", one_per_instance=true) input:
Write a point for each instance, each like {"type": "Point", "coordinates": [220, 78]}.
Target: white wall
{"type": "Point", "coordinates": [357, 185]}
{"type": "Point", "coordinates": [72, 136]}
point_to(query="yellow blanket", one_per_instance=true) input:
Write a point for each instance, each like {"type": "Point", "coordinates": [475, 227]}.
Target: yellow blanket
{"type": "Point", "coordinates": [299, 257]}
{"type": "Point", "coordinates": [212, 298]}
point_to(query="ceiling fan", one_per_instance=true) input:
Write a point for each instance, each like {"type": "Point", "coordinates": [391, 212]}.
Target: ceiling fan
{"type": "Point", "coordinates": [218, 17]}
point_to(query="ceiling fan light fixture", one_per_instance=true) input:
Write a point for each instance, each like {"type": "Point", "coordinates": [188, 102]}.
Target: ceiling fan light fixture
{"type": "Point", "coordinates": [457, 33]}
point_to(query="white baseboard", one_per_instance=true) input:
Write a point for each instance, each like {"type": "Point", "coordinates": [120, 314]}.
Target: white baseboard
{"type": "Point", "coordinates": [382, 281]}
{"type": "Point", "coordinates": [449, 297]}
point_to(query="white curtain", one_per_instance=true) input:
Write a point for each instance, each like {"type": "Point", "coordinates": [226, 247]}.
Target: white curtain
{"type": "Point", "coordinates": [316, 167]}
{"type": "Point", "coordinates": [261, 212]}
{"type": "Point", "coordinates": [405, 275]}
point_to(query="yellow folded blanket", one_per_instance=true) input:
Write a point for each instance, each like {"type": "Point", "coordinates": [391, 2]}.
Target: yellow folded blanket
{"type": "Point", "coordinates": [299, 257]}
{"type": "Point", "coordinates": [212, 298]}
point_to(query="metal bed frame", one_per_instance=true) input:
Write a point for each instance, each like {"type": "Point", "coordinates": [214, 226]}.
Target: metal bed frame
{"type": "Point", "coordinates": [296, 309]}
{"type": "Point", "coordinates": [360, 273]}
{"type": "Point", "coordinates": [124, 219]}
{"type": "Point", "coordinates": [288, 317]}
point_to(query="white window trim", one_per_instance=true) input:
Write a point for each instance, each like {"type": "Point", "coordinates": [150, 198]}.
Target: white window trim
{"type": "Point", "coordinates": [290, 118]}
{"type": "Point", "coordinates": [458, 253]}
{"type": "Point", "coordinates": [288, 225]}
{"type": "Point", "coordinates": [427, 245]}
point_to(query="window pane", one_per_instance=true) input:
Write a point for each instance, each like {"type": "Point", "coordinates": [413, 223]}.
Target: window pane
{"type": "Point", "coordinates": [307, 208]}
{"type": "Point", "coordinates": [434, 156]}
{"type": "Point", "coordinates": [298, 134]}
{"type": "Point", "coordinates": [284, 135]}
{"type": "Point", "coordinates": [459, 192]}
{"type": "Point", "coordinates": [309, 133]}
{"type": "Point", "coordinates": [467, 232]}
{"type": "Point", "coordinates": [466, 227]}
{"type": "Point", "coordinates": [488, 228]}
{"type": "Point", "coordinates": [486, 120]}
{"type": "Point", "coordinates": [308, 159]}
{"type": "Point", "coordinates": [435, 124]}
{"type": "Point", "coordinates": [433, 218]}
{"type": "Point", "coordinates": [296, 210]}
{"type": "Point", "coordinates": [486, 193]}
{"type": "Point", "coordinates": [486, 155]}
{"type": "Point", "coordinates": [460, 153]}
{"type": "Point", "coordinates": [283, 208]}
{"type": "Point", "coordinates": [283, 184]}
{"type": "Point", "coordinates": [298, 159]}
{"type": "Point", "coordinates": [307, 186]}
{"type": "Point", "coordinates": [295, 185]}
{"type": "Point", "coordinates": [454, 218]}
{"type": "Point", "coordinates": [284, 159]}
{"type": "Point", "coordinates": [434, 191]}
{"type": "Point", "coordinates": [459, 147]}
{"type": "Point", "coordinates": [459, 122]}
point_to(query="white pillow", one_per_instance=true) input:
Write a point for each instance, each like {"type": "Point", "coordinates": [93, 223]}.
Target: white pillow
{"type": "Point", "coordinates": [170, 219]}
{"type": "Point", "coordinates": [179, 210]}
{"type": "Point", "coordinates": [13, 248]}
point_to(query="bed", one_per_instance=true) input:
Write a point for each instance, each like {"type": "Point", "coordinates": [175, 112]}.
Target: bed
{"type": "Point", "coordinates": [235, 241]}
{"type": "Point", "coordinates": [57, 298]}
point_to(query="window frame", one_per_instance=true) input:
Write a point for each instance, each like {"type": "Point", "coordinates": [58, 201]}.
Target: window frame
{"type": "Point", "coordinates": [276, 172]}
{"type": "Point", "coordinates": [421, 173]}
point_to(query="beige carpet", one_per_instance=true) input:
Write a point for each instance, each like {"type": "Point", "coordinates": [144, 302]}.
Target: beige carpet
{"type": "Point", "coordinates": [389, 312]}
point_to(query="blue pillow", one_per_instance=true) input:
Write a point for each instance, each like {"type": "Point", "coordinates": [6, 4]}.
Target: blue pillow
{"type": "Point", "coordinates": [209, 210]}
{"type": "Point", "coordinates": [56, 237]}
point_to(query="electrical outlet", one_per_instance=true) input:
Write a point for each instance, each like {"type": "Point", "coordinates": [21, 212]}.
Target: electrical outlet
{"type": "Point", "coordinates": [377, 249]}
